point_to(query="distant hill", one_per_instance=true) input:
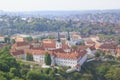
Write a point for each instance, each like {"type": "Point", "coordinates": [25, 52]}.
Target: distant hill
{"type": "Point", "coordinates": [87, 22]}
{"type": "Point", "coordinates": [56, 13]}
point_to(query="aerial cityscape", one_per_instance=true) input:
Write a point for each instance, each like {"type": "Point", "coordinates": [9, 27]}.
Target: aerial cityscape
{"type": "Point", "coordinates": [60, 40]}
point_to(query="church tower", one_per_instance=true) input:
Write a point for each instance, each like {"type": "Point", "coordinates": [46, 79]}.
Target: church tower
{"type": "Point", "coordinates": [68, 42]}
{"type": "Point", "coordinates": [58, 43]}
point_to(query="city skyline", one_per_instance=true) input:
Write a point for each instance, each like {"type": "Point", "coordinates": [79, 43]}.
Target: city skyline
{"type": "Point", "coordinates": [54, 5]}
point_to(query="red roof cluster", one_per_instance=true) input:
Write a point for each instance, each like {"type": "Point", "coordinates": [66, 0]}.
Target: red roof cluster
{"type": "Point", "coordinates": [59, 53]}
{"type": "Point", "coordinates": [19, 52]}
{"type": "Point", "coordinates": [108, 46]}
{"type": "Point", "coordinates": [90, 42]}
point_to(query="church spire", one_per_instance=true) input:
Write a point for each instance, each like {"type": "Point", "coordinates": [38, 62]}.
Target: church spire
{"type": "Point", "coordinates": [68, 38]}
{"type": "Point", "coordinates": [58, 37]}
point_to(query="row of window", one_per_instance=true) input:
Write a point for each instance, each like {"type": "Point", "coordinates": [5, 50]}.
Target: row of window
{"type": "Point", "coordinates": [65, 62]}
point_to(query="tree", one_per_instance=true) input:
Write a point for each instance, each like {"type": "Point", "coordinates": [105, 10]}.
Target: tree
{"type": "Point", "coordinates": [23, 72]}
{"type": "Point", "coordinates": [15, 71]}
{"type": "Point", "coordinates": [51, 37]}
{"type": "Point", "coordinates": [102, 70]}
{"type": "Point", "coordinates": [35, 75]}
{"type": "Point", "coordinates": [86, 77]}
{"type": "Point", "coordinates": [119, 41]}
{"type": "Point", "coordinates": [4, 67]}
{"type": "Point", "coordinates": [29, 39]}
{"type": "Point", "coordinates": [12, 41]}
{"type": "Point", "coordinates": [7, 40]}
{"type": "Point", "coordinates": [47, 59]}
{"type": "Point", "coordinates": [2, 78]}
{"type": "Point", "coordinates": [29, 57]}
{"type": "Point", "coordinates": [113, 74]}
{"type": "Point", "coordinates": [16, 78]}
{"type": "Point", "coordinates": [32, 75]}
{"type": "Point", "coordinates": [109, 57]}
{"type": "Point", "coordinates": [74, 47]}
{"type": "Point", "coordinates": [97, 54]}
{"type": "Point", "coordinates": [118, 58]}
{"type": "Point", "coordinates": [47, 70]}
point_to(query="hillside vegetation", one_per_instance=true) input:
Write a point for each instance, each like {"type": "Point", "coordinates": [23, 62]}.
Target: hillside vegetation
{"type": "Point", "coordinates": [10, 69]}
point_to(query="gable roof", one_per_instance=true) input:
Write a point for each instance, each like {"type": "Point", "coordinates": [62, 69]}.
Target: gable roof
{"type": "Point", "coordinates": [18, 44]}
{"type": "Point", "coordinates": [19, 52]}
{"type": "Point", "coordinates": [48, 44]}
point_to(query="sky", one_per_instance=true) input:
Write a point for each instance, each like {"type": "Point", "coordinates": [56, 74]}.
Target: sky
{"type": "Point", "coordinates": [44, 5]}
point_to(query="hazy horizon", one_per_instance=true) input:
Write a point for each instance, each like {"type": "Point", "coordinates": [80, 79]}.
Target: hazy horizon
{"type": "Point", "coordinates": [61, 5]}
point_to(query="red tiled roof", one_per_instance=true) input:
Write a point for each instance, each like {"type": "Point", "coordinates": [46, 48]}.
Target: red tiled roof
{"type": "Point", "coordinates": [118, 49]}
{"type": "Point", "coordinates": [74, 55]}
{"type": "Point", "coordinates": [38, 52]}
{"type": "Point", "coordinates": [49, 44]}
{"type": "Point", "coordinates": [108, 46]}
{"type": "Point", "coordinates": [19, 52]}
{"type": "Point", "coordinates": [82, 47]}
{"type": "Point", "coordinates": [21, 44]}
{"type": "Point", "coordinates": [58, 50]}
{"type": "Point", "coordinates": [92, 48]}
{"type": "Point", "coordinates": [64, 46]}
{"type": "Point", "coordinates": [35, 41]}
{"type": "Point", "coordinates": [2, 36]}
{"type": "Point", "coordinates": [90, 42]}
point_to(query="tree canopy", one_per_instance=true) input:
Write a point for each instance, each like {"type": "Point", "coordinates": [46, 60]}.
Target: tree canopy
{"type": "Point", "coordinates": [47, 58]}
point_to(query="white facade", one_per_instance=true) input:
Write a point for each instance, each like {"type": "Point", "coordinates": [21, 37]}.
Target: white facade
{"type": "Point", "coordinates": [65, 62]}
{"type": "Point", "coordinates": [89, 51]}
{"type": "Point", "coordinates": [81, 60]}
{"type": "Point", "coordinates": [38, 58]}
{"type": "Point", "coordinates": [61, 61]}
{"type": "Point", "coordinates": [69, 43]}
{"type": "Point", "coordinates": [21, 56]}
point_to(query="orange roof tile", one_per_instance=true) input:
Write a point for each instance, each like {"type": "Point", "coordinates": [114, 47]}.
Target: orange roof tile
{"type": "Point", "coordinates": [90, 42]}
{"type": "Point", "coordinates": [18, 44]}
{"type": "Point", "coordinates": [108, 46]}
{"type": "Point", "coordinates": [82, 47]}
{"type": "Point", "coordinates": [19, 52]}
{"type": "Point", "coordinates": [49, 44]}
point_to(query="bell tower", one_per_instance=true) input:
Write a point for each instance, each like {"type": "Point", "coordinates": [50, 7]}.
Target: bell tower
{"type": "Point", "coordinates": [68, 42]}
{"type": "Point", "coordinates": [58, 43]}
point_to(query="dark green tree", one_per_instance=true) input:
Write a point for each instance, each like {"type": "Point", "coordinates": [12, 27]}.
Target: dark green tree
{"type": "Point", "coordinates": [2, 78]}
{"type": "Point", "coordinates": [118, 58]}
{"type": "Point", "coordinates": [35, 75]}
{"type": "Point", "coordinates": [29, 39]}
{"type": "Point", "coordinates": [12, 41]}
{"type": "Point", "coordinates": [113, 74]}
{"type": "Point", "coordinates": [119, 41]}
{"type": "Point", "coordinates": [110, 57]}
{"type": "Point", "coordinates": [97, 54]}
{"type": "Point", "coordinates": [7, 40]}
{"type": "Point", "coordinates": [47, 59]}
{"type": "Point", "coordinates": [15, 72]}
{"type": "Point", "coordinates": [86, 77]}
{"type": "Point", "coordinates": [29, 57]}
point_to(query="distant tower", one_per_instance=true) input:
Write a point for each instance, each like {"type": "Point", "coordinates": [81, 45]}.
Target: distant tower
{"type": "Point", "coordinates": [58, 37]}
{"type": "Point", "coordinates": [68, 42]}
{"type": "Point", "coordinates": [58, 43]}
{"type": "Point", "coordinates": [68, 38]}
